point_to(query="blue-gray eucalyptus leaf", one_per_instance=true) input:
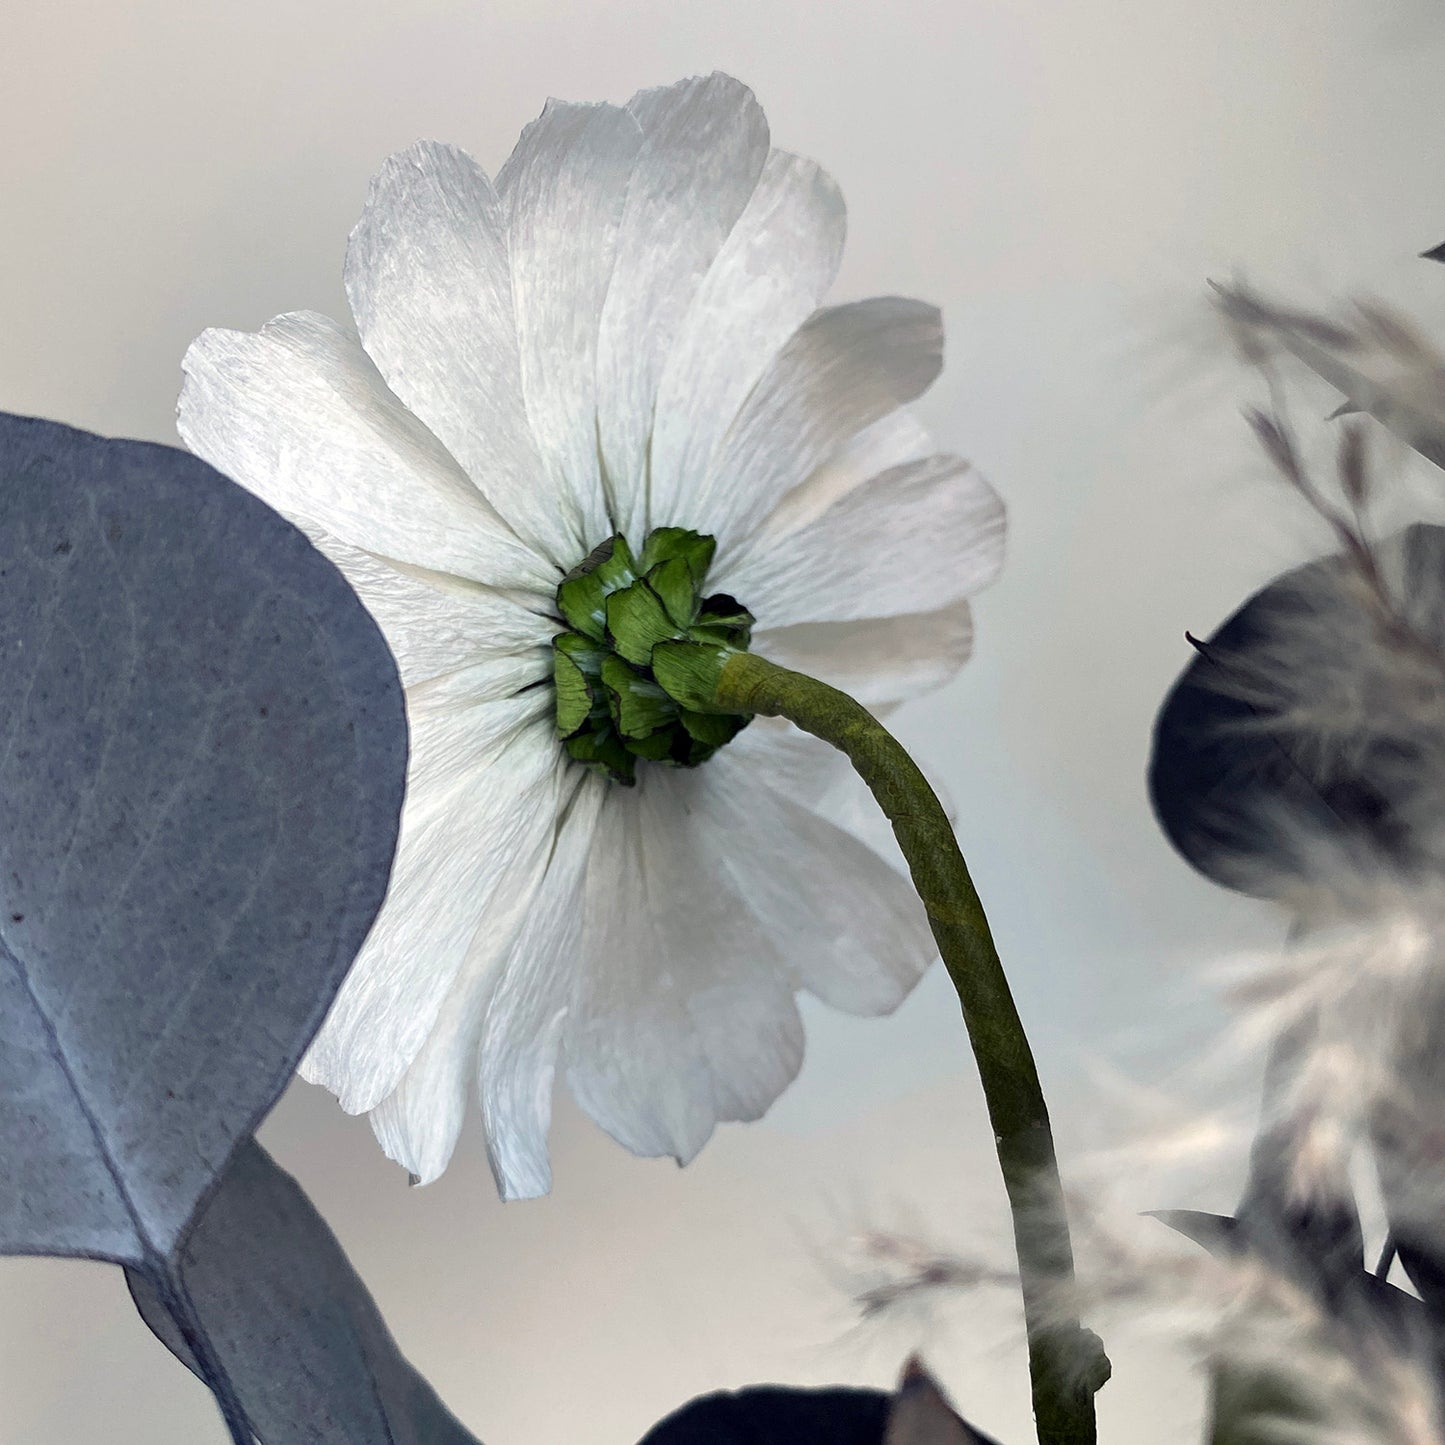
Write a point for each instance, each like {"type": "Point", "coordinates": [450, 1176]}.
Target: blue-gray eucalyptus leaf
{"type": "Point", "coordinates": [290, 1323]}
{"type": "Point", "coordinates": [202, 759]}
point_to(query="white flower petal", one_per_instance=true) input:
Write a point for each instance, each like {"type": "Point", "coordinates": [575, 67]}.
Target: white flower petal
{"type": "Point", "coordinates": [820, 777]}
{"type": "Point", "coordinates": [622, 334]}
{"type": "Point", "coordinates": [805, 769]}
{"type": "Point", "coordinates": [419, 1122]}
{"type": "Point", "coordinates": [919, 537]}
{"type": "Point", "coordinates": [298, 414]}
{"type": "Point", "coordinates": [521, 1031]}
{"type": "Point", "coordinates": [878, 659]}
{"type": "Point", "coordinates": [842, 370]}
{"type": "Point", "coordinates": [475, 833]}
{"type": "Point", "coordinates": [769, 277]}
{"type": "Point", "coordinates": [436, 623]}
{"type": "Point", "coordinates": [508, 1002]}
{"type": "Point", "coordinates": [705, 142]}
{"type": "Point", "coordinates": [891, 441]}
{"type": "Point", "coordinates": [638, 1069]}
{"type": "Point", "coordinates": [457, 720]}
{"type": "Point", "coordinates": [684, 1015]}
{"type": "Point", "coordinates": [430, 285]}
{"type": "Point", "coordinates": [564, 188]}
{"type": "Point", "coordinates": [850, 927]}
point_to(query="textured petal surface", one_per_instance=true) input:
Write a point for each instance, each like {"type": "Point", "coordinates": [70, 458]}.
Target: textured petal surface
{"type": "Point", "coordinates": [419, 1122]}
{"type": "Point", "coordinates": [684, 1015]}
{"type": "Point", "coordinates": [297, 414]}
{"type": "Point", "coordinates": [508, 1002]}
{"type": "Point", "coordinates": [437, 624]}
{"type": "Point", "coordinates": [880, 659]}
{"type": "Point", "coordinates": [842, 370]}
{"type": "Point", "coordinates": [917, 538]}
{"type": "Point", "coordinates": [704, 145]}
{"type": "Point", "coordinates": [430, 285]}
{"type": "Point", "coordinates": [475, 834]}
{"type": "Point", "coordinates": [850, 927]}
{"type": "Point", "coordinates": [521, 1031]}
{"type": "Point", "coordinates": [796, 763]}
{"type": "Point", "coordinates": [769, 277]}
{"type": "Point", "coordinates": [893, 440]}
{"type": "Point", "coordinates": [564, 189]}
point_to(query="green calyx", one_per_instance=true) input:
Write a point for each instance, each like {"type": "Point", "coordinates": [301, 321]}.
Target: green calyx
{"type": "Point", "coordinates": [626, 612]}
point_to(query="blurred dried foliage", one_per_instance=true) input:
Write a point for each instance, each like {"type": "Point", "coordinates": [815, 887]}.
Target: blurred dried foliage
{"type": "Point", "coordinates": [1301, 758]}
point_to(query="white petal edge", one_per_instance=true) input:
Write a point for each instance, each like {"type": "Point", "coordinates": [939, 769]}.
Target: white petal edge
{"type": "Point", "coordinates": [501, 1024]}
{"type": "Point", "coordinates": [430, 285]}
{"type": "Point", "coordinates": [521, 1030]}
{"type": "Point", "coordinates": [476, 829]}
{"type": "Point", "coordinates": [705, 141]}
{"type": "Point", "coordinates": [891, 441]}
{"type": "Point", "coordinates": [437, 624]}
{"type": "Point", "coordinates": [799, 765]}
{"type": "Point", "coordinates": [684, 1016]}
{"type": "Point", "coordinates": [820, 778]}
{"type": "Point", "coordinates": [914, 539]}
{"type": "Point", "coordinates": [843, 370]}
{"type": "Point", "coordinates": [564, 188]}
{"type": "Point", "coordinates": [772, 271]}
{"type": "Point", "coordinates": [849, 925]}
{"type": "Point", "coordinates": [298, 414]}
{"type": "Point", "coordinates": [876, 659]}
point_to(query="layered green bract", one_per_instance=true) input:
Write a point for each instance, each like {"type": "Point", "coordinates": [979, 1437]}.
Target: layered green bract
{"type": "Point", "coordinates": [618, 605]}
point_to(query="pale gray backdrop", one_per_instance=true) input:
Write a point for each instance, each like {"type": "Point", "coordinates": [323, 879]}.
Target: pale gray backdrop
{"type": "Point", "coordinates": [1061, 176]}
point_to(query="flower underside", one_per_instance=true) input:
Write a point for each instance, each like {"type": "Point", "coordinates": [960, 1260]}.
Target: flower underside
{"type": "Point", "coordinates": [619, 605]}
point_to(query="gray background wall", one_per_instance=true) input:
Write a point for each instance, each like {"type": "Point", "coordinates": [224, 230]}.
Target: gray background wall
{"type": "Point", "coordinates": [1062, 176]}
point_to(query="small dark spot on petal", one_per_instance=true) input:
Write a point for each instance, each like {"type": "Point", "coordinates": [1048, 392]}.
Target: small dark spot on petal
{"type": "Point", "coordinates": [62, 547]}
{"type": "Point", "coordinates": [17, 918]}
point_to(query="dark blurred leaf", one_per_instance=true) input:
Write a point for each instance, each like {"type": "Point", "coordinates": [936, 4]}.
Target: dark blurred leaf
{"type": "Point", "coordinates": [1371, 1301]}
{"type": "Point", "coordinates": [1217, 1234]}
{"type": "Point", "coordinates": [1435, 253]}
{"type": "Point", "coordinates": [202, 757]}
{"type": "Point", "coordinates": [778, 1415]}
{"type": "Point", "coordinates": [1250, 1402]}
{"type": "Point", "coordinates": [1318, 1241]}
{"type": "Point", "coordinates": [290, 1322]}
{"type": "Point", "coordinates": [1241, 780]}
{"type": "Point", "coordinates": [921, 1414]}
{"type": "Point", "coordinates": [773, 1414]}
{"type": "Point", "coordinates": [1423, 1262]}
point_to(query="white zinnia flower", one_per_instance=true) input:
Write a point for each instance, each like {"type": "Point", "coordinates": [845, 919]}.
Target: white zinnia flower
{"type": "Point", "coordinates": [620, 334]}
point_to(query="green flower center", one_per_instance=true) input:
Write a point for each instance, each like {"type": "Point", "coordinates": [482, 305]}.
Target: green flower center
{"type": "Point", "coordinates": [618, 606]}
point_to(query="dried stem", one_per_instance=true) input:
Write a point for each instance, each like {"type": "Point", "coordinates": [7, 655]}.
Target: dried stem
{"type": "Point", "coordinates": [1067, 1363]}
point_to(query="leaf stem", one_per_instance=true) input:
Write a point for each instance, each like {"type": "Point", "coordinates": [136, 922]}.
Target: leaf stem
{"type": "Point", "coordinates": [165, 1276]}
{"type": "Point", "coordinates": [1067, 1363]}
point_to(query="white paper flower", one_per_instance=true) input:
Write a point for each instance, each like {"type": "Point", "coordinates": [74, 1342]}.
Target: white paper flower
{"type": "Point", "coordinates": [621, 334]}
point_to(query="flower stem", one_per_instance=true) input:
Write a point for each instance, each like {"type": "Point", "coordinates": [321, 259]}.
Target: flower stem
{"type": "Point", "coordinates": [1067, 1363]}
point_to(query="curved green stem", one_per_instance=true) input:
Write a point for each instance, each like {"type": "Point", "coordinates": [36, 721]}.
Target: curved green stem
{"type": "Point", "coordinates": [1066, 1362]}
